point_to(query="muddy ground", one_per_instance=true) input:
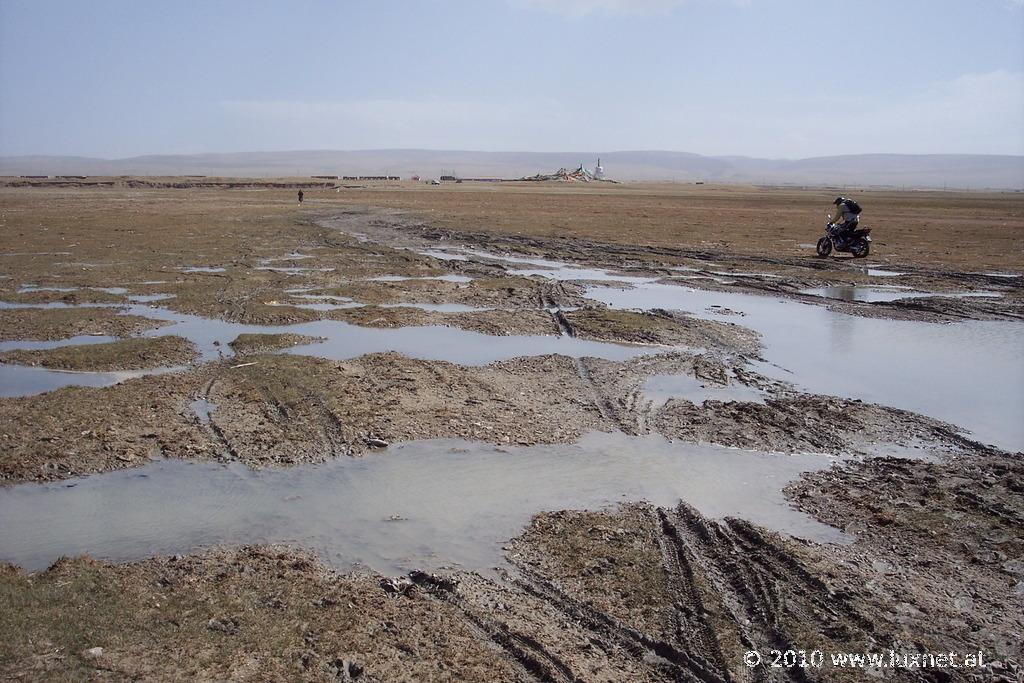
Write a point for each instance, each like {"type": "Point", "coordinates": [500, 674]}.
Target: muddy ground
{"type": "Point", "coordinates": [630, 593]}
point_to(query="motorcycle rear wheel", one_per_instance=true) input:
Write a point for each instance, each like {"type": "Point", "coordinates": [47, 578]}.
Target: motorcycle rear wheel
{"type": "Point", "coordinates": [824, 247]}
{"type": "Point", "coordinates": [860, 248]}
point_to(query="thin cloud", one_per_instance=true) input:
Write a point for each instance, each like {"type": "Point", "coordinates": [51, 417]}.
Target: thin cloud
{"type": "Point", "coordinates": [974, 114]}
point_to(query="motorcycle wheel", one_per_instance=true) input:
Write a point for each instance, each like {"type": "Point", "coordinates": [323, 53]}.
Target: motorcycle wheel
{"type": "Point", "coordinates": [860, 248]}
{"type": "Point", "coordinates": [824, 247]}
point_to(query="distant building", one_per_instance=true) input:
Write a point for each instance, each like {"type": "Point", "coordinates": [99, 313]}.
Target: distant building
{"type": "Point", "coordinates": [599, 170]}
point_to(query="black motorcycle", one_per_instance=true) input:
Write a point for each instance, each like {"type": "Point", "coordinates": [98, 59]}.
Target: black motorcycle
{"type": "Point", "coordinates": [856, 242]}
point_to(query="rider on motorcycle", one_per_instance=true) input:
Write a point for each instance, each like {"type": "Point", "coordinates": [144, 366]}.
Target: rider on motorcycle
{"type": "Point", "coordinates": [849, 216]}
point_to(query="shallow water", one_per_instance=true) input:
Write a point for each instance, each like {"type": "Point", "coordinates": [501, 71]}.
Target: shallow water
{"type": "Point", "coordinates": [26, 289]}
{"type": "Point", "coordinates": [55, 304]}
{"type": "Point", "coordinates": [579, 273]}
{"type": "Point", "coordinates": [81, 340]}
{"type": "Point", "coordinates": [970, 374]}
{"type": "Point", "coordinates": [23, 380]}
{"type": "Point", "coordinates": [203, 408]}
{"type": "Point", "coordinates": [342, 341]}
{"type": "Point", "coordinates": [426, 505]}
{"type": "Point", "coordinates": [861, 293]}
{"type": "Point", "coordinates": [148, 298]}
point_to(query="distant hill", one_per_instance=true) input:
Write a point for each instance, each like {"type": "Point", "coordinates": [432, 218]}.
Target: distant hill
{"type": "Point", "coordinates": [967, 171]}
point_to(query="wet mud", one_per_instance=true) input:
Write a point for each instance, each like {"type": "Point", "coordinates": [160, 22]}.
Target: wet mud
{"type": "Point", "coordinates": [126, 354]}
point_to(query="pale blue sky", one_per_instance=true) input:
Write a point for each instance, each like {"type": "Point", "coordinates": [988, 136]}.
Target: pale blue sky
{"type": "Point", "coordinates": [778, 78]}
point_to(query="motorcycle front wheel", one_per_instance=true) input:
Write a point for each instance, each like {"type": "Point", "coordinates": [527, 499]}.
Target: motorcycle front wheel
{"type": "Point", "coordinates": [824, 247]}
{"type": "Point", "coordinates": [860, 248]}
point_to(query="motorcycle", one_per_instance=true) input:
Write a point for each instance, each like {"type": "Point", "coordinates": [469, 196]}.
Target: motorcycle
{"type": "Point", "coordinates": [857, 242]}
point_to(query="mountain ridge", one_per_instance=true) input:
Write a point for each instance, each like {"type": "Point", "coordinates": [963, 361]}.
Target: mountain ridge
{"type": "Point", "coordinates": [960, 171]}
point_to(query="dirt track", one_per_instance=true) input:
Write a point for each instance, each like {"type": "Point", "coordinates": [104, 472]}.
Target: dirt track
{"type": "Point", "coordinates": [634, 592]}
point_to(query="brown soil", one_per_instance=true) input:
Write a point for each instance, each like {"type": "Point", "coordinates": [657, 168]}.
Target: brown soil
{"type": "Point", "coordinates": [663, 328]}
{"type": "Point", "coordinates": [47, 324]}
{"type": "Point", "coordinates": [963, 230]}
{"type": "Point", "coordinates": [286, 409]}
{"type": "Point", "coordinates": [807, 423]}
{"type": "Point", "coordinates": [266, 343]}
{"type": "Point", "coordinates": [248, 614]}
{"type": "Point", "coordinates": [127, 354]}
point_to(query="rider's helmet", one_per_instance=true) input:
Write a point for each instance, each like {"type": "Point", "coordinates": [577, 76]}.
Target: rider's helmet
{"type": "Point", "coordinates": [839, 200]}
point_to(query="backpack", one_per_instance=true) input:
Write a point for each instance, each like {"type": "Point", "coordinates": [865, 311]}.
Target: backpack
{"type": "Point", "coordinates": [853, 207]}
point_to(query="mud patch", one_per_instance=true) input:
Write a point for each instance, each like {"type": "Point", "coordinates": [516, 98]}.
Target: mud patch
{"type": "Point", "coordinates": [257, 613]}
{"type": "Point", "coordinates": [663, 328]}
{"type": "Point", "coordinates": [806, 423]}
{"type": "Point", "coordinates": [287, 409]}
{"type": "Point", "coordinates": [79, 430]}
{"type": "Point", "coordinates": [126, 354]}
{"type": "Point", "coordinates": [53, 324]}
{"type": "Point", "coordinates": [264, 343]}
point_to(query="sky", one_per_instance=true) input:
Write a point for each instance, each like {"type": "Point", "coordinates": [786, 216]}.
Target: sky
{"type": "Point", "coordinates": [762, 78]}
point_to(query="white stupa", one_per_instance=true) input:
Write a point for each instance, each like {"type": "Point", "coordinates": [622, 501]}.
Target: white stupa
{"type": "Point", "coordinates": [599, 170]}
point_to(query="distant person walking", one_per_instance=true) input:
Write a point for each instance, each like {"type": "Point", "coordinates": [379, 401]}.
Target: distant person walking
{"type": "Point", "coordinates": [300, 196]}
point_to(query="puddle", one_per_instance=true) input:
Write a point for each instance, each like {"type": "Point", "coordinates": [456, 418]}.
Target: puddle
{"type": "Point", "coordinates": [28, 289]}
{"type": "Point", "coordinates": [1006, 275]}
{"type": "Point", "coordinates": [575, 273]}
{"type": "Point", "coordinates": [713, 278]}
{"type": "Point", "coordinates": [55, 304]}
{"type": "Point", "coordinates": [425, 505]}
{"type": "Point", "coordinates": [148, 298]}
{"type": "Point", "coordinates": [24, 380]}
{"type": "Point", "coordinates": [507, 258]}
{"type": "Point", "coordinates": [968, 373]}
{"type": "Point", "coordinates": [203, 269]}
{"type": "Point", "coordinates": [557, 270]}
{"type": "Point", "coordinates": [80, 340]}
{"type": "Point", "coordinates": [342, 341]}
{"type": "Point", "coordinates": [878, 272]}
{"type": "Point", "coordinates": [865, 294]}
{"type": "Point", "coordinates": [202, 409]}
{"type": "Point", "coordinates": [661, 388]}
